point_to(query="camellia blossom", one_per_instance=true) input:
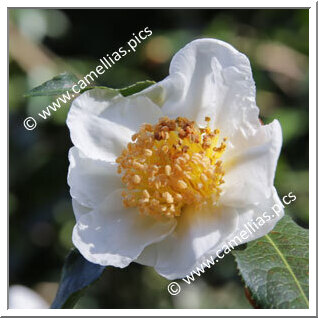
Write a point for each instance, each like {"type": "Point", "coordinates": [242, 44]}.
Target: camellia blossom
{"type": "Point", "coordinates": [166, 177]}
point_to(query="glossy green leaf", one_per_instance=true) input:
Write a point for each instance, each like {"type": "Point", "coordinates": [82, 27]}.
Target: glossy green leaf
{"type": "Point", "coordinates": [77, 275]}
{"type": "Point", "coordinates": [56, 86]}
{"type": "Point", "coordinates": [275, 268]}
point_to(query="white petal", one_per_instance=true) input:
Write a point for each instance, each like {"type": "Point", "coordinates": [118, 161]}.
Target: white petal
{"type": "Point", "coordinates": [250, 164]}
{"type": "Point", "coordinates": [22, 297]}
{"type": "Point", "coordinates": [209, 77]}
{"type": "Point", "coordinates": [196, 233]}
{"type": "Point", "coordinates": [206, 233]}
{"type": "Point", "coordinates": [114, 235]}
{"type": "Point", "coordinates": [255, 221]}
{"type": "Point", "coordinates": [79, 210]}
{"type": "Point", "coordinates": [273, 209]}
{"type": "Point", "coordinates": [132, 112]}
{"type": "Point", "coordinates": [91, 180]}
{"type": "Point", "coordinates": [101, 123]}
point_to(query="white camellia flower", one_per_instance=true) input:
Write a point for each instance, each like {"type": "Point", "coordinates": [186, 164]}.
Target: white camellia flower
{"type": "Point", "coordinates": [166, 177]}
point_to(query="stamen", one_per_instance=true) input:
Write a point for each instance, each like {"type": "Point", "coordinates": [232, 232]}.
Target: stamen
{"type": "Point", "coordinates": [136, 179]}
{"type": "Point", "coordinates": [148, 152]}
{"type": "Point", "coordinates": [182, 185]}
{"type": "Point", "coordinates": [168, 170]}
{"type": "Point", "coordinates": [168, 197]}
{"type": "Point", "coordinates": [171, 165]}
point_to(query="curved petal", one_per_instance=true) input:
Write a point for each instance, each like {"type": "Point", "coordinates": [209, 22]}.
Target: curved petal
{"type": "Point", "coordinates": [101, 122]}
{"type": "Point", "coordinates": [254, 221]}
{"type": "Point", "coordinates": [202, 235]}
{"type": "Point", "coordinates": [132, 112]}
{"type": "Point", "coordinates": [209, 77]}
{"type": "Point", "coordinates": [91, 180]}
{"type": "Point", "coordinates": [114, 235]}
{"type": "Point", "coordinates": [196, 233]}
{"type": "Point", "coordinates": [79, 210]}
{"type": "Point", "coordinates": [270, 210]}
{"type": "Point", "coordinates": [250, 165]}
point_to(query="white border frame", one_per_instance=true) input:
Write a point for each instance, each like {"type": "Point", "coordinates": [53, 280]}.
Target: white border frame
{"type": "Point", "coordinates": [312, 159]}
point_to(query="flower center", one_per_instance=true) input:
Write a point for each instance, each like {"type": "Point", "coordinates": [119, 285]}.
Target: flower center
{"type": "Point", "coordinates": [171, 165]}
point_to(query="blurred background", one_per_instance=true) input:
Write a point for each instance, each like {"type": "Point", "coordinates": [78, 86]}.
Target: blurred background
{"type": "Point", "coordinates": [46, 42]}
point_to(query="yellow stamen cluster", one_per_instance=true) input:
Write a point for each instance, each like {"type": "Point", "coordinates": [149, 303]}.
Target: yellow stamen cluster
{"type": "Point", "coordinates": [170, 165]}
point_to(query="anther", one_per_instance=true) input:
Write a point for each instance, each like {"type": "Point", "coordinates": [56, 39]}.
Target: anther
{"type": "Point", "coordinates": [204, 178]}
{"type": "Point", "coordinates": [165, 148]}
{"type": "Point", "coordinates": [167, 170]}
{"type": "Point", "coordinates": [145, 194]}
{"type": "Point", "coordinates": [178, 197]}
{"type": "Point", "coordinates": [177, 148]}
{"type": "Point", "coordinates": [182, 185]}
{"type": "Point", "coordinates": [136, 179]}
{"type": "Point", "coordinates": [138, 165]}
{"type": "Point", "coordinates": [178, 167]}
{"type": "Point", "coordinates": [168, 197]}
{"type": "Point", "coordinates": [134, 137]}
{"type": "Point", "coordinates": [148, 152]}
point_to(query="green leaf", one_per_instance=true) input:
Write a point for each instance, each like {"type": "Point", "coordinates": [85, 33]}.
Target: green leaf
{"type": "Point", "coordinates": [65, 81]}
{"type": "Point", "coordinates": [56, 86]}
{"type": "Point", "coordinates": [77, 275]}
{"type": "Point", "coordinates": [275, 267]}
{"type": "Point", "coordinates": [135, 88]}
{"type": "Point", "coordinates": [125, 91]}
